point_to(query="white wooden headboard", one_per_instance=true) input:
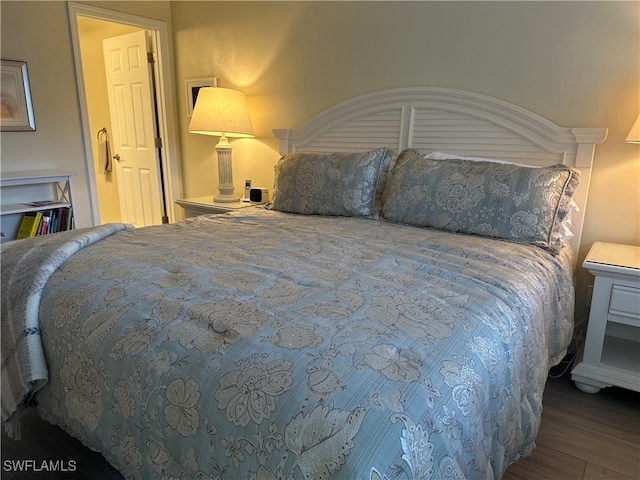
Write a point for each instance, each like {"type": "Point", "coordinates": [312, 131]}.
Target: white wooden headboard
{"type": "Point", "coordinates": [452, 121]}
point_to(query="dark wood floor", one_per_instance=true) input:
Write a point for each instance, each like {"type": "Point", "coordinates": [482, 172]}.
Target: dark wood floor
{"type": "Point", "coordinates": [582, 437]}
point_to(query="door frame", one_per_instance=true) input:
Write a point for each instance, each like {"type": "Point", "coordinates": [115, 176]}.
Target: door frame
{"type": "Point", "coordinates": [166, 102]}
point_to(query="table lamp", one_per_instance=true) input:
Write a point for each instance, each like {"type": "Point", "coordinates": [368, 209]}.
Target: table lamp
{"type": "Point", "coordinates": [222, 112]}
{"type": "Point", "coordinates": [634, 134]}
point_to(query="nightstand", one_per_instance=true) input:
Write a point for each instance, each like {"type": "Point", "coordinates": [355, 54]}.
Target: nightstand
{"type": "Point", "coordinates": [205, 205]}
{"type": "Point", "coordinates": [611, 354]}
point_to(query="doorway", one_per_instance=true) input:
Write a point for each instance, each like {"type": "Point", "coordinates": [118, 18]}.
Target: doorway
{"type": "Point", "coordinates": [89, 26]}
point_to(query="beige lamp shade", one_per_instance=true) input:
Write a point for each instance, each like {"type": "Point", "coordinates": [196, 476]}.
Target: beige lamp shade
{"type": "Point", "coordinates": [221, 112]}
{"type": "Point", "coordinates": [634, 134]}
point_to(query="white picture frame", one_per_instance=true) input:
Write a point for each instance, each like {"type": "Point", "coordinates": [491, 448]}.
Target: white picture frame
{"type": "Point", "coordinates": [16, 108]}
{"type": "Point", "coordinates": [193, 86]}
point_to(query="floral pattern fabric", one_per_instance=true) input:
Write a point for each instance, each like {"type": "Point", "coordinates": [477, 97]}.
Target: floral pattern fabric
{"type": "Point", "coordinates": [502, 200]}
{"type": "Point", "coordinates": [269, 346]}
{"type": "Point", "coordinates": [348, 184]}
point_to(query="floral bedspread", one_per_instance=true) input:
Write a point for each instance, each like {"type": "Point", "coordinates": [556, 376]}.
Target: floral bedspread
{"type": "Point", "coordinates": [276, 346]}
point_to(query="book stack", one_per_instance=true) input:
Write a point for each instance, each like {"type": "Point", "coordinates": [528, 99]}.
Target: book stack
{"type": "Point", "coordinates": [44, 222]}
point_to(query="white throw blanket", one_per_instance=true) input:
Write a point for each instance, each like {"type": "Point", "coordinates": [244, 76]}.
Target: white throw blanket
{"type": "Point", "coordinates": [26, 267]}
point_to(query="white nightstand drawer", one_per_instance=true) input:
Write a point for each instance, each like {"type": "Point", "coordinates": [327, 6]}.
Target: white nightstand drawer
{"type": "Point", "coordinates": [625, 301]}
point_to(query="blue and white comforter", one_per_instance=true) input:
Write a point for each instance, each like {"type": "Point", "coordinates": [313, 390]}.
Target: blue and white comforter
{"type": "Point", "coordinates": [274, 346]}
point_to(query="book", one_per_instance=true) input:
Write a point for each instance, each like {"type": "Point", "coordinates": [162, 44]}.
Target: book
{"type": "Point", "coordinates": [69, 225]}
{"type": "Point", "coordinates": [29, 225]}
{"type": "Point", "coordinates": [65, 219]}
{"type": "Point", "coordinates": [43, 229]}
{"type": "Point", "coordinates": [64, 213]}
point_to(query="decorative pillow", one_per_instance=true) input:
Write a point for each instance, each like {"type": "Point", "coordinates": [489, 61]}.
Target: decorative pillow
{"type": "Point", "coordinates": [564, 233]}
{"type": "Point", "coordinates": [512, 202]}
{"type": "Point", "coordinates": [347, 184]}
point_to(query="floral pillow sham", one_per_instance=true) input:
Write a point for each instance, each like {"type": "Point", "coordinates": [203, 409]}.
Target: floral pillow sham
{"type": "Point", "coordinates": [346, 184]}
{"type": "Point", "coordinates": [502, 200]}
{"type": "Point", "coordinates": [564, 233]}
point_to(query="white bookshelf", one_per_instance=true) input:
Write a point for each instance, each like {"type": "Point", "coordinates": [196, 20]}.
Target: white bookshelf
{"type": "Point", "coordinates": [19, 189]}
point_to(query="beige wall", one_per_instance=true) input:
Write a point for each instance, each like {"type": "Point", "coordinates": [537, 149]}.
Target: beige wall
{"type": "Point", "coordinates": [575, 63]}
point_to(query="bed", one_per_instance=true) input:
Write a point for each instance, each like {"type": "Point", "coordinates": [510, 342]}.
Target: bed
{"type": "Point", "coordinates": [392, 314]}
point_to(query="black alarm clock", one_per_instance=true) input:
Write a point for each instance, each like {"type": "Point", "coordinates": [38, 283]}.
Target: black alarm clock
{"type": "Point", "coordinates": [259, 195]}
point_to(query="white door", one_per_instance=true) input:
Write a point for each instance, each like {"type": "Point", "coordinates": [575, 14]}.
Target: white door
{"type": "Point", "coordinates": [133, 123]}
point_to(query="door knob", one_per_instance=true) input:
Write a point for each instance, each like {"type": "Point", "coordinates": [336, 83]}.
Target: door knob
{"type": "Point", "coordinates": [117, 157]}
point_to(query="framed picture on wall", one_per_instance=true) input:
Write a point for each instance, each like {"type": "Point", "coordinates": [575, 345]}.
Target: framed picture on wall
{"type": "Point", "coordinates": [192, 88]}
{"type": "Point", "coordinates": [16, 109]}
